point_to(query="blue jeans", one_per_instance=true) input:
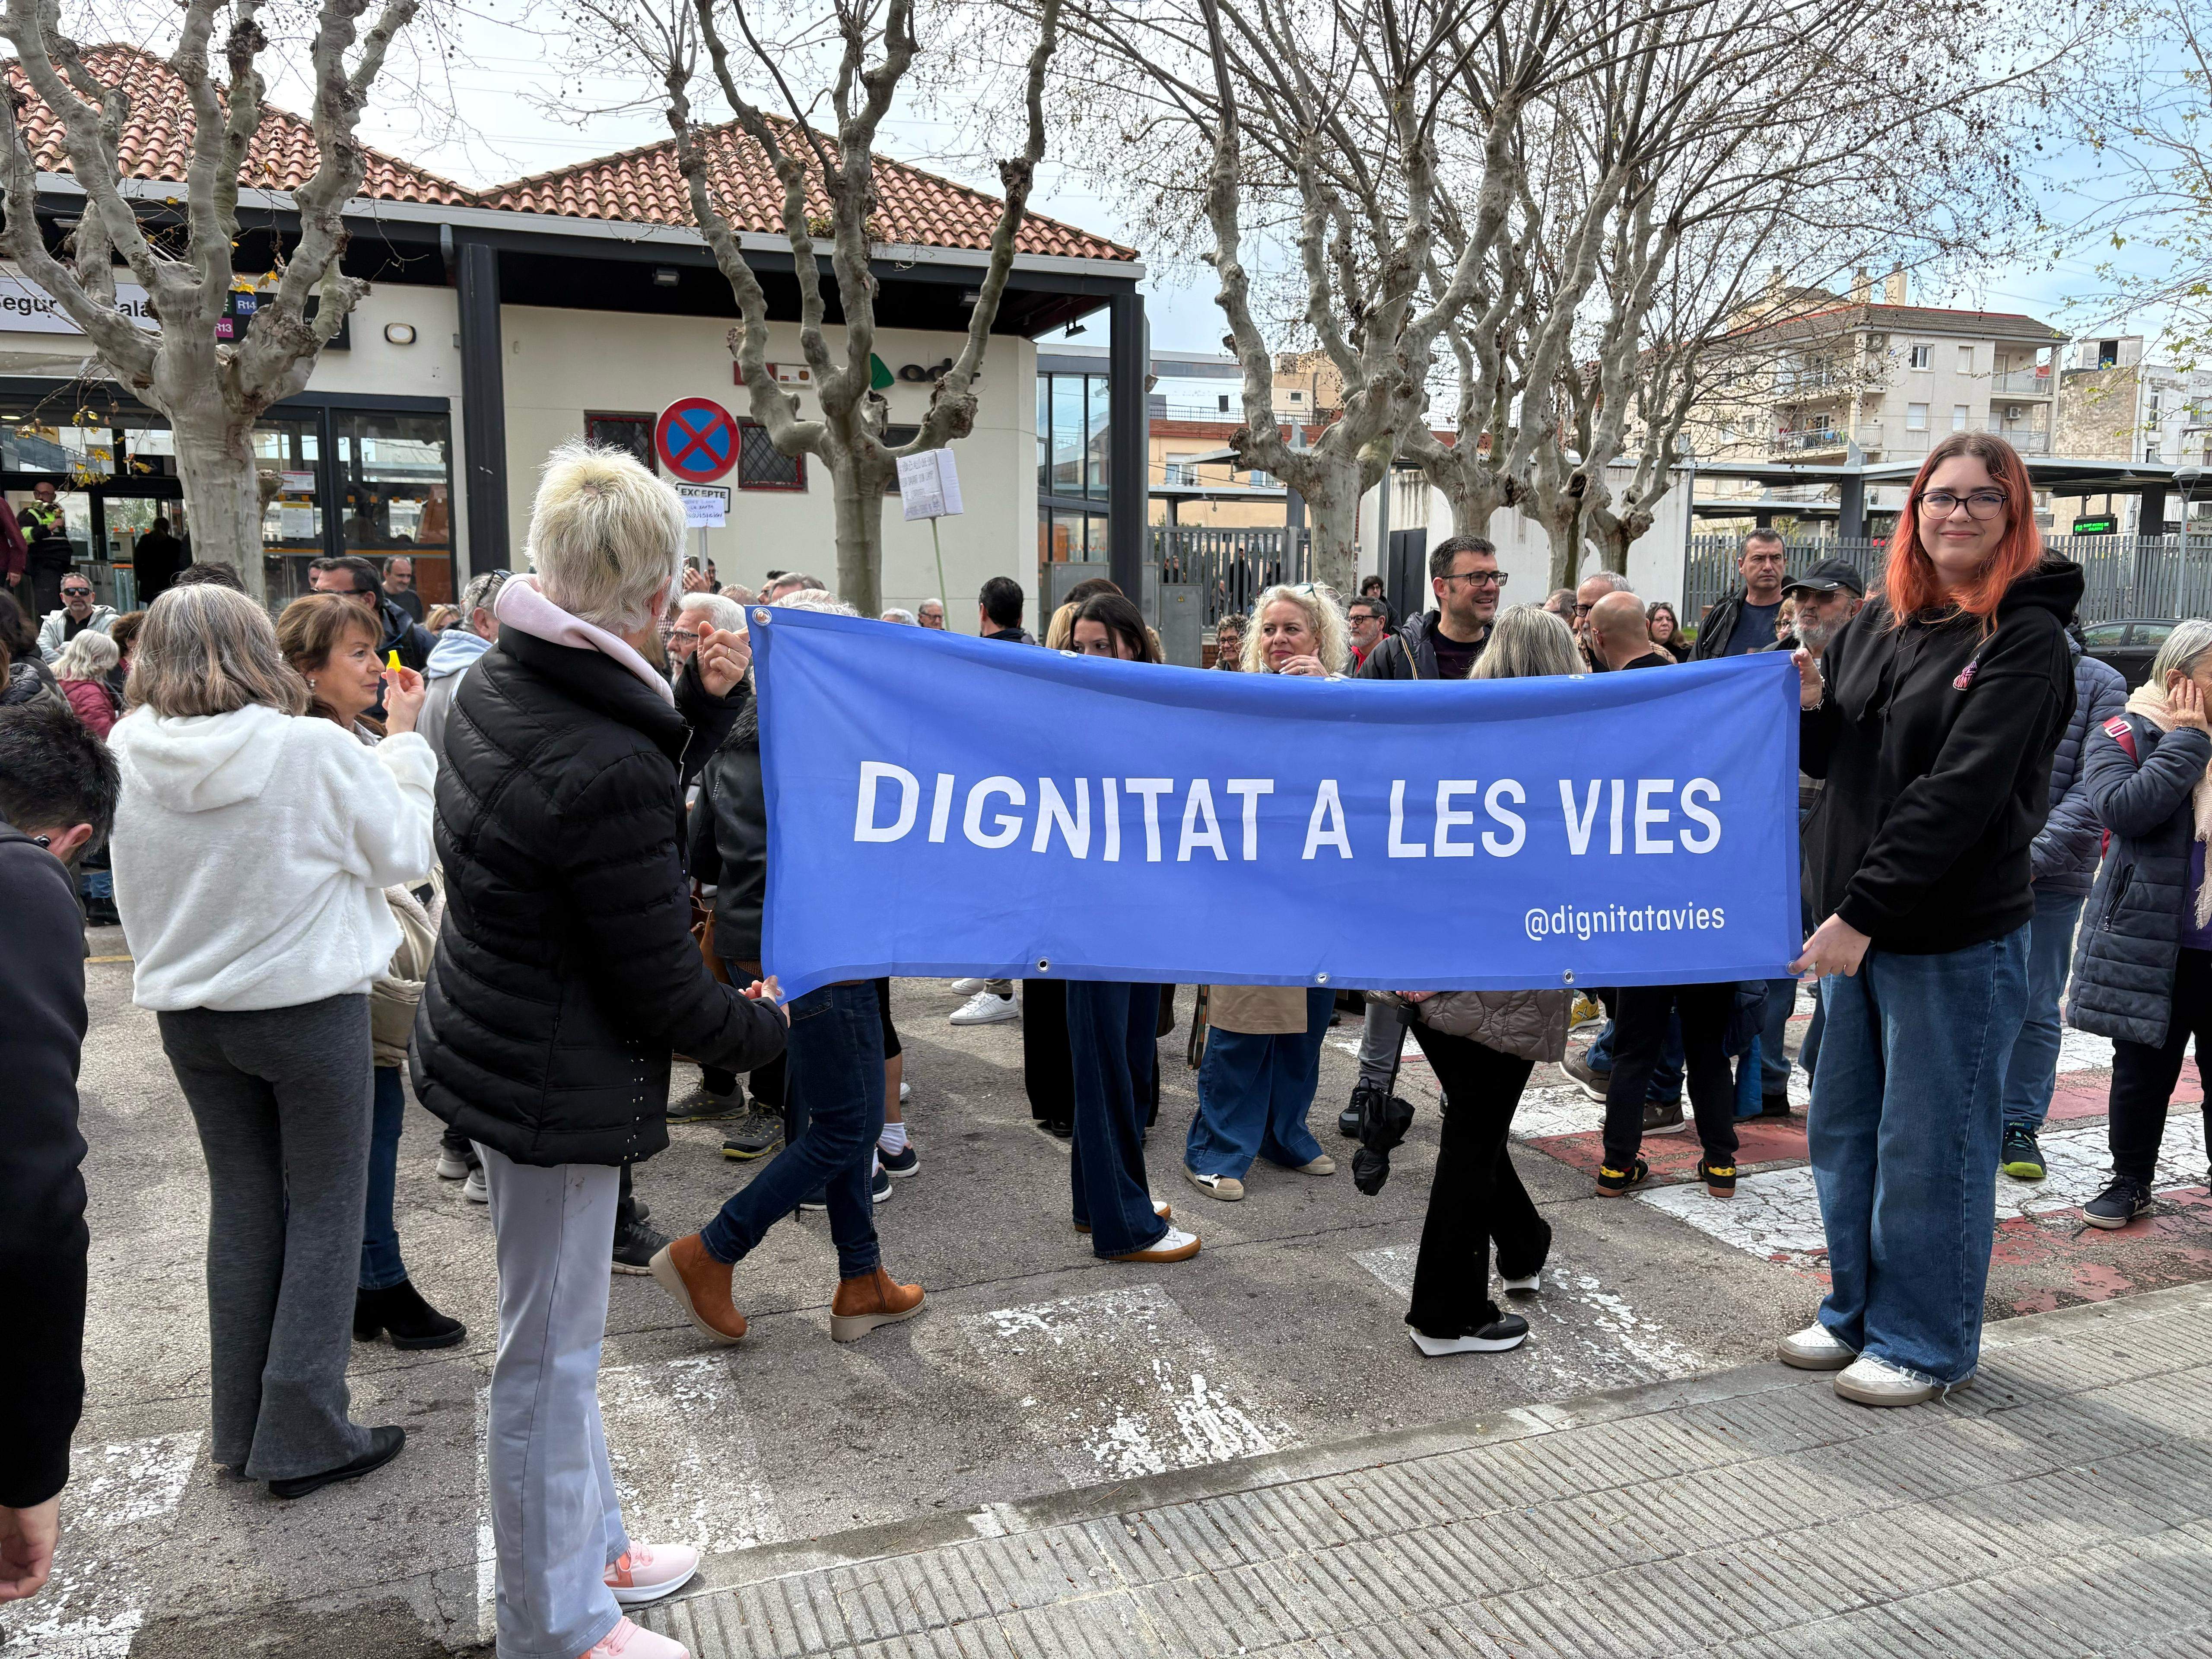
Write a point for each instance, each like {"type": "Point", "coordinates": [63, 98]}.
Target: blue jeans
{"type": "Point", "coordinates": [1253, 1093]}
{"type": "Point", "coordinates": [1809, 1051]}
{"type": "Point", "coordinates": [834, 1099]}
{"type": "Point", "coordinates": [1112, 1042]}
{"type": "Point", "coordinates": [1773, 1057]}
{"type": "Point", "coordinates": [1666, 1087]}
{"type": "Point", "coordinates": [2033, 1072]}
{"type": "Point", "coordinates": [1903, 1135]}
{"type": "Point", "coordinates": [381, 1265]}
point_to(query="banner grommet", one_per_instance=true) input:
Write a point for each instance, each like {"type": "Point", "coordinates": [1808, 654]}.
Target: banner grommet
{"type": "Point", "coordinates": [1044, 964]}
{"type": "Point", "coordinates": [1567, 976]}
{"type": "Point", "coordinates": [760, 614]}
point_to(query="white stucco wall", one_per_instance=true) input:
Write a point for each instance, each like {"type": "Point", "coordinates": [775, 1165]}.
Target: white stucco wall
{"type": "Point", "coordinates": [559, 364]}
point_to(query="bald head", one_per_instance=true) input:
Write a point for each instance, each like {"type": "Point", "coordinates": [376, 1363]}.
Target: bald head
{"type": "Point", "coordinates": [1617, 629]}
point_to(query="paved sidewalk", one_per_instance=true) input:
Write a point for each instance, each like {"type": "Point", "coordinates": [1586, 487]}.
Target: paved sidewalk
{"type": "Point", "coordinates": [2061, 1505]}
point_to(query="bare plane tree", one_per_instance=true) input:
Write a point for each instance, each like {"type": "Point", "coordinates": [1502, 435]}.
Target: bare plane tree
{"type": "Point", "coordinates": [825, 171]}
{"type": "Point", "coordinates": [212, 391]}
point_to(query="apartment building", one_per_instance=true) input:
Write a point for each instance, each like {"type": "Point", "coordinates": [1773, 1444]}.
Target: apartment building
{"type": "Point", "coordinates": [1822, 377]}
{"type": "Point", "coordinates": [2113, 406]}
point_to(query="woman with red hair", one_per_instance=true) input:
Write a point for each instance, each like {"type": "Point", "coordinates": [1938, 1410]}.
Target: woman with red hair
{"type": "Point", "coordinates": [1933, 717]}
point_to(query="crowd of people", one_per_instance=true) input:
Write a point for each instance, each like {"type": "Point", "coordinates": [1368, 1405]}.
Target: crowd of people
{"type": "Point", "coordinates": [524, 869]}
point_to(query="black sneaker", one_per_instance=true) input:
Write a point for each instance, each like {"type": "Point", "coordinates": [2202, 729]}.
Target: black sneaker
{"type": "Point", "coordinates": [879, 1187]}
{"type": "Point", "coordinates": [700, 1105]}
{"type": "Point", "coordinates": [761, 1133]}
{"type": "Point", "coordinates": [2022, 1159]}
{"type": "Point", "coordinates": [1593, 1083]}
{"type": "Point", "coordinates": [1347, 1120]}
{"type": "Point", "coordinates": [901, 1163]}
{"type": "Point", "coordinates": [1506, 1332]}
{"type": "Point", "coordinates": [635, 1246]}
{"type": "Point", "coordinates": [384, 1444]}
{"type": "Point", "coordinates": [2123, 1202]}
{"type": "Point", "coordinates": [1663, 1117]}
{"type": "Point", "coordinates": [1719, 1178]}
{"type": "Point", "coordinates": [1612, 1182]}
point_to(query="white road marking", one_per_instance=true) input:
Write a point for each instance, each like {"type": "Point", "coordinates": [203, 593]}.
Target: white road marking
{"type": "Point", "coordinates": [1138, 1390]}
{"type": "Point", "coordinates": [1560, 1111]}
{"type": "Point", "coordinates": [1776, 1214]}
{"type": "Point", "coordinates": [122, 1500]}
{"type": "Point", "coordinates": [687, 1467]}
{"type": "Point", "coordinates": [1588, 1336]}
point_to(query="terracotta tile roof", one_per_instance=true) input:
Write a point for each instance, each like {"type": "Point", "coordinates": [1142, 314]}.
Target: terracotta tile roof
{"type": "Point", "coordinates": [645, 187]}
{"type": "Point", "coordinates": [157, 144]}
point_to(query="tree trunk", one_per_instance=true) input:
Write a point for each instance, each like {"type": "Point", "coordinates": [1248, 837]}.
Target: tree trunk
{"type": "Point", "coordinates": [222, 494]}
{"type": "Point", "coordinates": [1566, 540]}
{"type": "Point", "coordinates": [1333, 524]}
{"type": "Point", "coordinates": [857, 496]}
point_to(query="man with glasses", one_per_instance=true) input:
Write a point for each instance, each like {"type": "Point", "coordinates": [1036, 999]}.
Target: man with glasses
{"type": "Point", "coordinates": [1443, 644]}
{"type": "Point", "coordinates": [1743, 622]}
{"type": "Point", "coordinates": [1592, 588]}
{"type": "Point", "coordinates": [77, 613]}
{"type": "Point", "coordinates": [1367, 619]}
{"type": "Point", "coordinates": [931, 614]}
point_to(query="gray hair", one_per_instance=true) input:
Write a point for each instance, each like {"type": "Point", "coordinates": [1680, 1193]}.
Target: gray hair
{"type": "Point", "coordinates": [606, 536]}
{"type": "Point", "coordinates": [1526, 640]}
{"type": "Point", "coordinates": [480, 593]}
{"type": "Point", "coordinates": [207, 649]}
{"type": "Point", "coordinates": [1613, 580]}
{"type": "Point", "coordinates": [2189, 640]}
{"type": "Point", "coordinates": [727, 615]}
{"type": "Point", "coordinates": [86, 657]}
{"type": "Point", "coordinates": [904, 618]}
{"type": "Point", "coordinates": [816, 597]}
{"type": "Point", "coordinates": [794, 582]}
{"type": "Point", "coordinates": [1324, 615]}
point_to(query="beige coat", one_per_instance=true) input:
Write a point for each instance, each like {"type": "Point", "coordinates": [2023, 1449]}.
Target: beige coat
{"type": "Point", "coordinates": [1257, 1010]}
{"type": "Point", "coordinates": [393, 994]}
{"type": "Point", "coordinates": [1527, 1025]}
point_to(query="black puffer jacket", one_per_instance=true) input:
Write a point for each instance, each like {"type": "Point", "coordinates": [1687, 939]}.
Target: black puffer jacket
{"type": "Point", "coordinates": [729, 838]}
{"type": "Point", "coordinates": [1408, 654]}
{"type": "Point", "coordinates": [565, 970]}
{"type": "Point", "coordinates": [2130, 933]}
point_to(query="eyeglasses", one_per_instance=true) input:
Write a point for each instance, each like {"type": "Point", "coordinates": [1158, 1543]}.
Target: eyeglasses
{"type": "Point", "coordinates": [76, 592]}
{"type": "Point", "coordinates": [1984, 504]}
{"type": "Point", "coordinates": [1480, 578]}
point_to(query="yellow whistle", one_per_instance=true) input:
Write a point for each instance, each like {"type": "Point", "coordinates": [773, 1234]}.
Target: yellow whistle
{"type": "Point", "coordinates": [392, 661]}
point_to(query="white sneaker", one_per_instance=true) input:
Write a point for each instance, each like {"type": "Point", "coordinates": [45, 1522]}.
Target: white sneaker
{"type": "Point", "coordinates": [986, 1008]}
{"type": "Point", "coordinates": [629, 1641]}
{"type": "Point", "coordinates": [1533, 1284]}
{"type": "Point", "coordinates": [906, 1091]}
{"type": "Point", "coordinates": [1173, 1245]}
{"type": "Point", "coordinates": [1228, 1189]}
{"type": "Point", "coordinates": [474, 1189]}
{"type": "Point", "coordinates": [1323, 1165]}
{"type": "Point", "coordinates": [646, 1572]}
{"type": "Point", "coordinates": [1159, 1208]}
{"type": "Point", "coordinates": [1871, 1382]}
{"type": "Point", "coordinates": [452, 1166]}
{"type": "Point", "coordinates": [966, 988]}
{"type": "Point", "coordinates": [1815, 1349]}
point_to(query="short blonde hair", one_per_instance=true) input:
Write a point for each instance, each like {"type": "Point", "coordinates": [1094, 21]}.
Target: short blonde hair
{"type": "Point", "coordinates": [1527, 640]}
{"type": "Point", "coordinates": [207, 649]}
{"type": "Point", "coordinates": [606, 536]}
{"type": "Point", "coordinates": [86, 657]}
{"type": "Point", "coordinates": [1324, 615]}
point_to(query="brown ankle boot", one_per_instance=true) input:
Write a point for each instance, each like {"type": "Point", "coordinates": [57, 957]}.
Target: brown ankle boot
{"type": "Point", "coordinates": [701, 1283]}
{"type": "Point", "coordinates": [872, 1300]}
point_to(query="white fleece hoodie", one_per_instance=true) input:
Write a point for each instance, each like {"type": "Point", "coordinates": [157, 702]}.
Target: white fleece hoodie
{"type": "Point", "coordinates": [251, 851]}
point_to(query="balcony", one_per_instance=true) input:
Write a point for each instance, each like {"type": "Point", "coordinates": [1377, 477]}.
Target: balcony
{"type": "Point", "coordinates": [2021, 383]}
{"type": "Point", "coordinates": [1820, 439]}
{"type": "Point", "coordinates": [2025, 440]}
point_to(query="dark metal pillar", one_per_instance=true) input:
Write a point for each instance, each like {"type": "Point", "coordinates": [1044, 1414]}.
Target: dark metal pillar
{"type": "Point", "coordinates": [1851, 511]}
{"type": "Point", "coordinates": [1127, 504]}
{"type": "Point", "coordinates": [2151, 520]}
{"type": "Point", "coordinates": [483, 407]}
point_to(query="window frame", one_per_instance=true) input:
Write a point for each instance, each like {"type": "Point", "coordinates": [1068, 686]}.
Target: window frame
{"type": "Point", "coordinates": [651, 458]}
{"type": "Point", "coordinates": [1920, 356]}
{"type": "Point", "coordinates": [747, 425]}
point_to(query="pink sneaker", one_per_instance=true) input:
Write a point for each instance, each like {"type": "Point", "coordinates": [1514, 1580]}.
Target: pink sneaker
{"type": "Point", "coordinates": [649, 1571]}
{"type": "Point", "coordinates": [627, 1641]}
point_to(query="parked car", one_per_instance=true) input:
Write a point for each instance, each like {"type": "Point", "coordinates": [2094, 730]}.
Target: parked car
{"type": "Point", "coordinates": [2128, 645]}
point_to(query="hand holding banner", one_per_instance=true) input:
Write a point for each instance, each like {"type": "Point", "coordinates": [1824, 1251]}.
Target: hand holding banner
{"type": "Point", "coordinates": [940, 806]}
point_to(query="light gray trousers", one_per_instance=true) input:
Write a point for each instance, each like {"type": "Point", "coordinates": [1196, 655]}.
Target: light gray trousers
{"type": "Point", "coordinates": [1379, 1044]}
{"type": "Point", "coordinates": [556, 1519]}
{"type": "Point", "coordinates": [281, 1097]}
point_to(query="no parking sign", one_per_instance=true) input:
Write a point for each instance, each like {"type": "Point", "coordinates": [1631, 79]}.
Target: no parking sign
{"type": "Point", "coordinates": [696, 440]}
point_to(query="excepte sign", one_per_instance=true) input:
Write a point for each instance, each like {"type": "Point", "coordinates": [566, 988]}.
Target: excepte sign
{"type": "Point", "coordinates": [706, 507]}
{"type": "Point", "coordinates": [1131, 822]}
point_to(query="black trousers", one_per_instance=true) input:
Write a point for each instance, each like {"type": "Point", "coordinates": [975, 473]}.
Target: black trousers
{"type": "Point", "coordinates": [2143, 1076]}
{"type": "Point", "coordinates": [1476, 1198]}
{"type": "Point", "coordinates": [1639, 1031]}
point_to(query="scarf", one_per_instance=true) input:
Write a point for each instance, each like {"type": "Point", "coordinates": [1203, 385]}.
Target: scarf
{"type": "Point", "coordinates": [523, 605]}
{"type": "Point", "coordinates": [2149, 701]}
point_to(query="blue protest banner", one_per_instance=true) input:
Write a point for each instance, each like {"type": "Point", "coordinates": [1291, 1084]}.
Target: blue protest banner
{"type": "Point", "coordinates": [941, 807]}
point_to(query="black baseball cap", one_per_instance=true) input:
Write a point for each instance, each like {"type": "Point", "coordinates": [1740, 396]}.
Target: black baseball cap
{"type": "Point", "coordinates": [1826, 577]}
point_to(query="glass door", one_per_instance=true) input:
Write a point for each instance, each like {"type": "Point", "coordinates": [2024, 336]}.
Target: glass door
{"type": "Point", "coordinates": [124, 519]}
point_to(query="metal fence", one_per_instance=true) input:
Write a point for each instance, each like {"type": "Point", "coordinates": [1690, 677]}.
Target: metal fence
{"type": "Point", "coordinates": [1229, 567]}
{"type": "Point", "coordinates": [2122, 575]}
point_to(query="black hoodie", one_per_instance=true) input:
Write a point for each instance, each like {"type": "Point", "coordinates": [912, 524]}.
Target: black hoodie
{"type": "Point", "coordinates": [1935, 740]}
